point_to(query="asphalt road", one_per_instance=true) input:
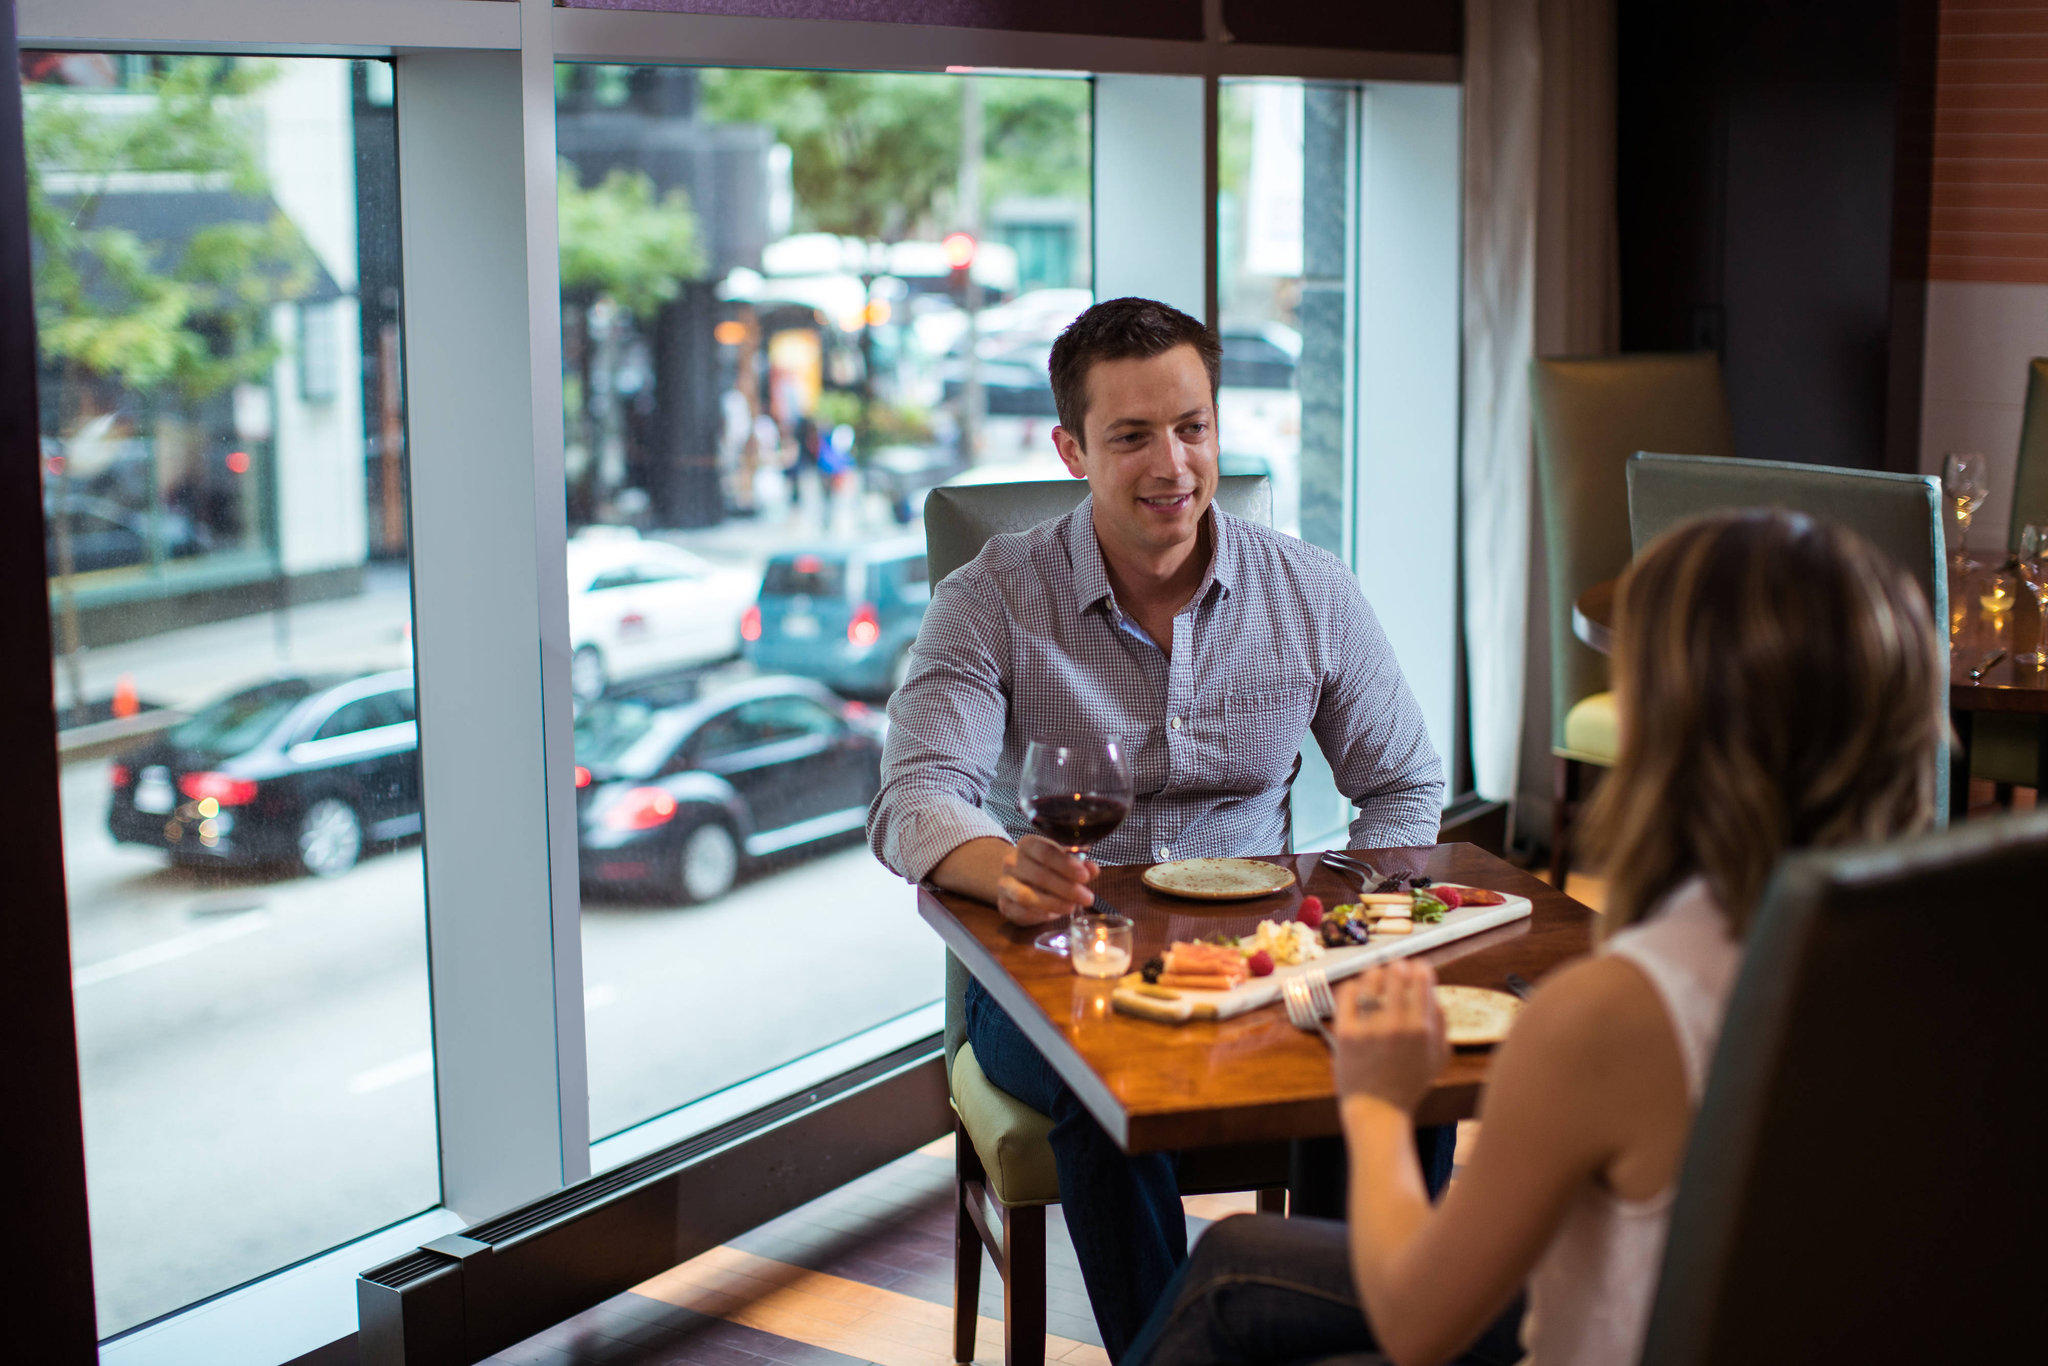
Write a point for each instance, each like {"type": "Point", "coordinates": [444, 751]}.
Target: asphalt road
{"type": "Point", "coordinates": [255, 1049]}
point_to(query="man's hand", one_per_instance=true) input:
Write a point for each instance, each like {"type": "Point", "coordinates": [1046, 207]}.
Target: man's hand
{"type": "Point", "coordinates": [1030, 882]}
{"type": "Point", "coordinates": [1042, 882]}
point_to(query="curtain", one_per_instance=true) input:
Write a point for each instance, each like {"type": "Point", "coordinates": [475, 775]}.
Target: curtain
{"type": "Point", "coordinates": [1540, 279]}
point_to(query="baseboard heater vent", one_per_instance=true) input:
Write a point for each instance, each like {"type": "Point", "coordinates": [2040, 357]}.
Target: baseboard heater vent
{"type": "Point", "coordinates": [462, 1297]}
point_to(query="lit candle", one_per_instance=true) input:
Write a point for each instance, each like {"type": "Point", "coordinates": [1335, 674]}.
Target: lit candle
{"type": "Point", "coordinates": [1101, 946]}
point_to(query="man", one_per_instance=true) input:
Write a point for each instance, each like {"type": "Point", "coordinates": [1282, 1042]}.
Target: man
{"type": "Point", "coordinates": [1208, 645]}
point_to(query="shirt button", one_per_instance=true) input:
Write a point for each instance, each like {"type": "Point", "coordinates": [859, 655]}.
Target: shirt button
{"type": "Point", "coordinates": [1175, 723]}
{"type": "Point", "coordinates": [1164, 853]}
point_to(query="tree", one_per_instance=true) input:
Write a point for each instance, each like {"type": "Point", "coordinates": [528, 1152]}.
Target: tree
{"type": "Point", "coordinates": [159, 323]}
{"type": "Point", "coordinates": [623, 251]}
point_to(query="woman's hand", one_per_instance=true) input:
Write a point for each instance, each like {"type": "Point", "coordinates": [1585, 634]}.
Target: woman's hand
{"type": "Point", "coordinates": [1390, 1035]}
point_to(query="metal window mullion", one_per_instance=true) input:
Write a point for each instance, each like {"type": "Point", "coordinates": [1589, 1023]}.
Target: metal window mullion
{"type": "Point", "coordinates": [490, 626]}
{"type": "Point", "coordinates": [303, 27]}
{"type": "Point", "coordinates": [1154, 147]}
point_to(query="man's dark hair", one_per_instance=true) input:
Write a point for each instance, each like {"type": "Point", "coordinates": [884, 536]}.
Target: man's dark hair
{"type": "Point", "coordinates": [1123, 329]}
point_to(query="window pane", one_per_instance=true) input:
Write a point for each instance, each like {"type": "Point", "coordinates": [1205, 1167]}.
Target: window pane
{"type": "Point", "coordinates": [1283, 217]}
{"type": "Point", "coordinates": [217, 290]}
{"type": "Point", "coordinates": [770, 358]}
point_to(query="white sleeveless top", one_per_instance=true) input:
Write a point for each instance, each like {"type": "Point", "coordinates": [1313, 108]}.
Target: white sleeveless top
{"type": "Point", "coordinates": [1590, 1292]}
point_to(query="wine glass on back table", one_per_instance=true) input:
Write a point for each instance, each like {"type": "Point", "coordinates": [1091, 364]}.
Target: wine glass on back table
{"type": "Point", "coordinates": [1074, 795]}
{"type": "Point", "coordinates": [1966, 483]}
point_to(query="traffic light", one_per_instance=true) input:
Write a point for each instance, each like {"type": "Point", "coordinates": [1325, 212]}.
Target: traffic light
{"type": "Point", "coordinates": [959, 248]}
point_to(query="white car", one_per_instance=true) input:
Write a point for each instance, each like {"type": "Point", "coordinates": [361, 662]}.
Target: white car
{"type": "Point", "coordinates": [639, 607]}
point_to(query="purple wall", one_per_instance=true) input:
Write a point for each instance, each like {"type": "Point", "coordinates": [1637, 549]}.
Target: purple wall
{"type": "Point", "coordinates": [1122, 19]}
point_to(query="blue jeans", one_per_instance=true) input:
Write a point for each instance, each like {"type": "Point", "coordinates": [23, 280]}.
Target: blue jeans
{"type": "Point", "coordinates": [1122, 1212]}
{"type": "Point", "coordinates": [1265, 1291]}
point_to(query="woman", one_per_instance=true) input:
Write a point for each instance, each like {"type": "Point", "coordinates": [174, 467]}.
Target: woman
{"type": "Point", "coordinates": [1780, 686]}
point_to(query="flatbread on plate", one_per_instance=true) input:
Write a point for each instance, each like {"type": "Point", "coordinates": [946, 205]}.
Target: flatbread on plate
{"type": "Point", "coordinates": [1218, 879]}
{"type": "Point", "coordinates": [1475, 1016]}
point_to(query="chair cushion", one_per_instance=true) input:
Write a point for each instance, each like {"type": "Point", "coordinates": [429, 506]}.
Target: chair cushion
{"type": "Point", "coordinates": [1008, 1135]}
{"type": "Point", "coordinates": [2006, 749]}
{"type": "Point", "coordinates": [1592, 731]}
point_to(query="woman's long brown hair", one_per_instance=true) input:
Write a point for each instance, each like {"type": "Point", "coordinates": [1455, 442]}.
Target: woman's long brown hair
{"type": "Point", "coordinates": [1780, 685]}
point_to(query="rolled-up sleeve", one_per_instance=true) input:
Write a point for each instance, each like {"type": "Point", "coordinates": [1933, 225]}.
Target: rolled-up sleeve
{"type": "Point", "coordinates": [1372, 732]}
{"type": "Point", "coordinates": [946, 728]}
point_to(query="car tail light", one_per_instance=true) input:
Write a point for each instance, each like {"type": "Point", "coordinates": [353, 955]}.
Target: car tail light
{"type": "Point", "coordinates": [118, 776]}
{"type": "Point", "coordinates": [582, 776]}
{"type": "Point", "coordinates": [219, 786]}
{"type": "Point", "coordinates": [865, 628]}
{"type": "Point", "coordinates": [643, 808]}
{"type": "Point", "coordinates": [750, 623]}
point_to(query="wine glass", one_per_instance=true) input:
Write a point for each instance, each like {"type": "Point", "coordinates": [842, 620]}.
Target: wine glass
{"type": "Point", "coordinates": [1966, 484]}
{"type": "Point", "coordinates": [1074, 795]}
{"type": "Point", "coordinates": [2034, 574]}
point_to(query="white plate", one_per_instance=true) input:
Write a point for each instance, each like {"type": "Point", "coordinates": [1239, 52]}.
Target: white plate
{"type": "Point", "coordinates": [1218, 879]}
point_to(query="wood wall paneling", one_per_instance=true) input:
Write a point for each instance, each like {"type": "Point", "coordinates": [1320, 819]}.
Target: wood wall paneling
{"type": "Point", "coordinates": [1990, 193]}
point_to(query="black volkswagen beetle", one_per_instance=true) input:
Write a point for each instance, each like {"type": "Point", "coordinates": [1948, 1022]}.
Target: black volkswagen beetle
{"type": "Point", "coordinates": [296, 770]}
{"type": "Point", "coordinates": [677, 796]}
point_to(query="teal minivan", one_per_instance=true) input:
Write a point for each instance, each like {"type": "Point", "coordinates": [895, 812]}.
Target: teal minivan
{"type": "Point", "coordinates": [844, 615]}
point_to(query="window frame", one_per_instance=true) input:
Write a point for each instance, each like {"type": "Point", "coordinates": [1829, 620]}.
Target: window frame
{"type": "Point", "coordinates": [490, 582]}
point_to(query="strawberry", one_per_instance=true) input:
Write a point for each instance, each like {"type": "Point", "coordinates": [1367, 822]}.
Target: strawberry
{"type": "Point", "coordinates": [1260, 963]}
{"type": "Point", "coordinates": [1311, 913]}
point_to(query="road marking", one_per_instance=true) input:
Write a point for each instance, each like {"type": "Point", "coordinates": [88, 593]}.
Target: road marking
{"type": "Point", "coordinates": [407, 1068]}
{"type": "Point", "coordinates": [167, 950]}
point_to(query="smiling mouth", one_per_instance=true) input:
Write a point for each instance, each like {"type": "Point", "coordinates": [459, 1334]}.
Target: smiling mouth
{"type": "Point", "coordinates": [1167, 502]}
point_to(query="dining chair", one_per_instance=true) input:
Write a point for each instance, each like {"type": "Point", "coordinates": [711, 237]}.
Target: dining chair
{"type": "Point", "coordinates": [1863, 1179]}
{"type": "Point", "coordinates": [2006, 750]}
{"type": "Point", "coordinates": [1591, 415]}
{"type": "Point", "coordinates": [1000, 1152]}
{"type": "Point", "coordinates": [2030, 471]}
{"type": "Point", "coordinates": [1900, 514]}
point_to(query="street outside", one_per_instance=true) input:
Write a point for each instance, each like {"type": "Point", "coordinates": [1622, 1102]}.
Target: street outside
{"type": "Point", "coordinates": [254, 1047]}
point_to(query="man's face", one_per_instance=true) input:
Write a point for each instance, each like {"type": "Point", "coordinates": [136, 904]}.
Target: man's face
{"type": "Point", "coordinates": [1150, 453]}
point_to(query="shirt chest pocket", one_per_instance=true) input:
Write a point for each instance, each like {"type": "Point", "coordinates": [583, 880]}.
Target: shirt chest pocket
{"type": "Point", "coordinates": [1261, 733]}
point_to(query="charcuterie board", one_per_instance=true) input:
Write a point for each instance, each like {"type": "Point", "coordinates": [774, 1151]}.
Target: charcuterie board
{"type": "Point", "coordinates": [1133, 997]}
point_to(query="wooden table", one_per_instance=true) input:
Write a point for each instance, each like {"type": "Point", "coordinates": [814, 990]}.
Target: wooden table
{"type": "Point", "coordinates": [2007, 687]}
{"type": "Point", "coordinates": [1254, 1078]}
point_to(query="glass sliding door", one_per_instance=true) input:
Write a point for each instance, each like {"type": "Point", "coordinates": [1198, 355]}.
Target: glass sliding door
{"type": "Point", "coordinates": [216, 284]}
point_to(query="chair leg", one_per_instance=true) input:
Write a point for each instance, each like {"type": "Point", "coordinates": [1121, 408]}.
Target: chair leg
{"type": "Point", "coordinates": [966, 1248]}
{"type": "Point", "coordinates": [1272, 1200]}
{"type": "Point", "coordinates": [1024, 1286]}
{"type": "Point", "coordinates": [1564, 796]}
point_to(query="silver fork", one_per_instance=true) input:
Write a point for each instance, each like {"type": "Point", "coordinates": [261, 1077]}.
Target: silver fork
{"type": "Point", "coordinates": [1319, 994]}
{"type": "Point", "coordinates": [1367, 875]}
{"type": "Point", "coordinates": [1301, 1010]}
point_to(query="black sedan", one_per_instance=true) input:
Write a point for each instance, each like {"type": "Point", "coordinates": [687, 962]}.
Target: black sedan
{"type": "Point", "coordinates": [297, 770]}
{"type": "Point", "coordinates": [678, 797]}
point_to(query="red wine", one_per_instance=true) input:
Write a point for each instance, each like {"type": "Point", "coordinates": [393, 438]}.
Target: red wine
{"type": "Point", "coordinates": [1078, 821]}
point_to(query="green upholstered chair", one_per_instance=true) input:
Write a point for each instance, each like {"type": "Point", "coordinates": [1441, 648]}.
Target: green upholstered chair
{"type": "Point", "coordinates": [1592, 414]}
{"type": "Point", "coordinates": [1900, 514]}
{"type": "Point", "coordinates": [2006, 750]}
{"type": "Point", "coordinates": [1844, 1065]}
{"type": "Point", "coordinates": [2030, 472]}
{"type": "Point", "coordinates": [1001, 1156]}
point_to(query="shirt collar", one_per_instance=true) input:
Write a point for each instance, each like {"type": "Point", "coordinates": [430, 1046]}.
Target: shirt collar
{"type": "Point", "coordinates": [1091, 579]}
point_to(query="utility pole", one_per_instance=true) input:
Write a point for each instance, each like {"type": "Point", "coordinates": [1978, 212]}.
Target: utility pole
{"type": "Point", "coordinates": [971, 415]}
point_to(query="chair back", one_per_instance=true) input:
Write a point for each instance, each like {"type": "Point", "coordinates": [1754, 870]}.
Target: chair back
{"type": "Point", "coordinates": [1900, 514]}
{"type": "Point", "coordinates": [2030, 474]}
{"type": "Point", "coordinates": [1864, 1177]}
{"type": "Point", "coordinates": [959, 519]}
{"type": "Point", "coordinates": [1592, 414]}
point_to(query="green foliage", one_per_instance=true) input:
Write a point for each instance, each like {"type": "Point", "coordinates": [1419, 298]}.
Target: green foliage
{"type": "Point", "coordinates": [619, 241]}
{"type": "Point", "coordinates": [877, 156]}
{"type": "Point", "coordinates": [887, 424]}
{"type": "Point", "coordinates": [192, 317]}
